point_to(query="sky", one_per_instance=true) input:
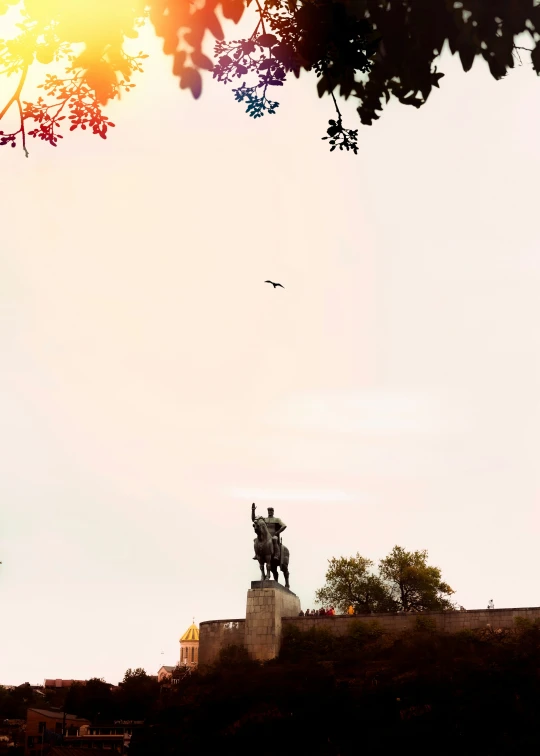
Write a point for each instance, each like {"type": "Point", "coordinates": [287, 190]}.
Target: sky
{"type": "Point", "coordinates": [152, 386]}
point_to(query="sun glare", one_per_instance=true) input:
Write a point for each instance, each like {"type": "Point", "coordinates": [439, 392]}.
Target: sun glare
{"type": "Point", "coordinates": [83, 42]}
{"type": "Point", "coordinates": [43, 27]}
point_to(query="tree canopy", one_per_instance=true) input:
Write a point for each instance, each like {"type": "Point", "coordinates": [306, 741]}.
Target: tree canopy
{"type": "Point", "coordinates": [350, 582]}
{"type": "Point", "coordinates": [405, 582]}
{"type": "Point", "coordinates": [137, 693]}
{"type": "Point", "coordinates": [413, 584]}
{"type": "Point", "coordinates": [92, 700]}
{"type": "Point", "coordinates": [367, 50]}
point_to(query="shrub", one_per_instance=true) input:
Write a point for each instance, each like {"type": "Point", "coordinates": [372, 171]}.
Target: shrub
{"type": "Point", "coordinates": [365, 632]}
{"type": "Point", "coordinates": [233, 655]}
{"type": "Point", "coordinates": [317, 643]}
{"type": "Point", "coordinates": [425, 624]}
{"type": "Point", "coordinates": [524, 623]}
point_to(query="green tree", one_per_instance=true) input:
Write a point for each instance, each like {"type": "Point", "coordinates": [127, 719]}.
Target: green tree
{"type": "Point", "coordinates": [369, 51]}
{"type": "Point", "coordinates": [350, 581]}
{"type": "Point", "coordinates": [414, 585]}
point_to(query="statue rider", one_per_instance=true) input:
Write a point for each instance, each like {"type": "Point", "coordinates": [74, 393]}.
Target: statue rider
{"type": "Point", "coordinates": [275, 526]}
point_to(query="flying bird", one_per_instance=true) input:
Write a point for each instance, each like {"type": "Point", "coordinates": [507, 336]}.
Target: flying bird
{"type": "Point", "coordinates": [275, 284]}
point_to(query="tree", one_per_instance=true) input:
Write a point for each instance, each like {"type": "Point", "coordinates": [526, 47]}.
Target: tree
{"type": "Point", "coordinates": [138, 693]}
{"type": "Point", "coordinates": [15, 702]}
{"type": "Point", "coordinates": [405, 582]}
{"type": "Point", "coordinates": [350, 582]}
{"type": "Point", "coordinates": [370, 50]}
{"type": "Point", "coordinates": [92, 700]}
{"type": "Point", "coordinates": [414, 585]}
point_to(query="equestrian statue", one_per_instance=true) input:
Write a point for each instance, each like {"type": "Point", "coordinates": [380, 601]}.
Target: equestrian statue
{"type": "Point", "coordinates": [269, 551]}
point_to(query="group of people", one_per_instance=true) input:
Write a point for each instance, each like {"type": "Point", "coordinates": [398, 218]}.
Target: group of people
{"type": "Point", "coordinates": [318, 612]}
{"type": "Point", "coordinates": [330, 612]}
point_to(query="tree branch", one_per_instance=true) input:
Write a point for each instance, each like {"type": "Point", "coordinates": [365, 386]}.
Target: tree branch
{"type": "Point", "coordinates": [23, 132]}
{"type": "Point", "coordinates": [17, 94]}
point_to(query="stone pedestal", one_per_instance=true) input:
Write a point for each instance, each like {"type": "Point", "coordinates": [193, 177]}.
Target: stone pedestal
{"type": "Point", "coordinates": [267, 603]}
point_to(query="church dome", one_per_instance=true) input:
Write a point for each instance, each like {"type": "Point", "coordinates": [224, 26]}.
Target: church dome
{"type": "Point", "coordinates": [191, 634]}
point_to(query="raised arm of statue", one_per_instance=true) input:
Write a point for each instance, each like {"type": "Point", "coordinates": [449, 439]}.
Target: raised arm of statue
{"type": "Point", "coordinates": [253, 508]}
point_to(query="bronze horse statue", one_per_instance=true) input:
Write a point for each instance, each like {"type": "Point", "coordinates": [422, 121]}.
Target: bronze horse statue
{"type": "Point", "coordinates": [264, 551]}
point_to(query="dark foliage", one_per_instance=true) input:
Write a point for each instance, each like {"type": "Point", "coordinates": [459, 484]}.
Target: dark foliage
{"type": "Point", "coordinates": [370, 50]}
{"type": "Point", "coordinates": [93, 701]}
{"type": "Point", "coordinates": [419, 692]}
{"type": "Point", "coordinates": [137, 695]}
{"type": "Point", "coordinates": [14, 702]}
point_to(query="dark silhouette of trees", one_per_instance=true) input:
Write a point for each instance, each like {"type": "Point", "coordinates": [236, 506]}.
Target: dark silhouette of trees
{"type": "Point", "coordinates": [14, 702]}
{"type": "Point", "coordinates": [137, 695]}
{"type": "Point", "coordinates": [405, 583]}
{"type": "Point", "coordinates": [368, 50]}
{"type": "Point", "coordinates": [417, 691]}
{"type": "Point", "coordinates": [93, 700]}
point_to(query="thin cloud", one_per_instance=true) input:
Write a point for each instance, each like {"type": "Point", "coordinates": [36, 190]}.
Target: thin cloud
{"type": "Point", "coordinates": [265, 494]}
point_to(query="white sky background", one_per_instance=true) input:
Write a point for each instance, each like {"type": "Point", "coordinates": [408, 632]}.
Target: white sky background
{"type": "Point", "coordinates": [152, 386]}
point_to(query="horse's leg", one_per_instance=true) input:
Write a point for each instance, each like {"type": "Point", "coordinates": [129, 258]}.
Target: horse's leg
{"type": "Point", "coordinates": [275, 573]}
{"type": "Point", "coordinates": [285, 571]}
{"type": "Point", "coordinates": [268, 559]}
{"type": "Point", "coordinates": [261, 565]}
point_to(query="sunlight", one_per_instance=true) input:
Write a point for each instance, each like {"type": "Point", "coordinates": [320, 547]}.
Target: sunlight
{"type": "Point", "coordinates": [84, 41]}
{"type": "Point", "coordinates": [95, 22]}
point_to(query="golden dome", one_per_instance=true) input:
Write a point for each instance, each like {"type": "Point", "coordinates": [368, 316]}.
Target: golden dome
{"type": "Point", "coordinates": [191, 634]}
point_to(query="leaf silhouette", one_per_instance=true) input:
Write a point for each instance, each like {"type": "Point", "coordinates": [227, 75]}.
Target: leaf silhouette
{"type": "Point", "coordinates": [191, 79]}
{"type": "Point", "coordinates": [267, 40]}
{"type": "Point", "coordinates": [201, 60]}
{"type": "Point", "coordinates": [233, 9]}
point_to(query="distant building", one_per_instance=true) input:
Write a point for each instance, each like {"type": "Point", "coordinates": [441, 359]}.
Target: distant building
{"type": "Point", "coordinates": [180, 673]}
{"type": "Point", "coordinates": [164, 674]}
{"type": "Point", "coordinates": [189, 657]}
{"type": "Point", "coordinates": [62, 683]}
{"type": "Point", "coordinates": [189, 647]}
{"type": "Point", "coordinates": [114, 737]}
{"type": "Point", "coordinates": [44, 728]}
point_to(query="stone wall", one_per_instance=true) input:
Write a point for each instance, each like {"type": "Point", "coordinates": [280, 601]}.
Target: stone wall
{"type": "Point", "coordinates": [450, 622]}
{"type": "Point", "coordinates": [217, 634]}
{"type": "Point", "coordinates": [266, 618]}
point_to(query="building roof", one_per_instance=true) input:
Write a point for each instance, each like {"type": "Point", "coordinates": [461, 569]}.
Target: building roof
{"type": "Point", "coordinates": [167, 669]}
{"type": "Point", "coordinates": [191, 634]}
{"type": "Point", "coordinates": [57, 714]}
